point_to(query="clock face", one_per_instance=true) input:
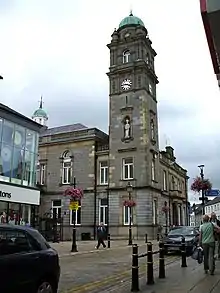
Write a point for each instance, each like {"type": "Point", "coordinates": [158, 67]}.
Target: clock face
{"type": "Point", "coordinates": [6, 154]}
{"type": "Point", "coordinates": [17, 138]}
{"type": "Point", "coordinates": [126, 84]}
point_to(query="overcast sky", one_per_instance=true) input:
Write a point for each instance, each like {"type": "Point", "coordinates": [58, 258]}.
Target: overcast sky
{"type": "Point", "coordinates": [58, 49]}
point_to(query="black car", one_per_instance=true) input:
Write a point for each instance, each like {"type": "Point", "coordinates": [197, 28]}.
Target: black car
{"type": "Point", "coordinates": [173, 240]}
{"type": "Point", "coordinates": [27, 262]}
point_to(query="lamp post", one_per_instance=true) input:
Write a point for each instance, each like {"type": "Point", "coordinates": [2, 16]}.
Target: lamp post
{"type": "Point", "coordinates": [129, 190]}
{"type": "Point", "coordinates": [202, 198]}
{"type": "Point", "coordinates": [74, 245]}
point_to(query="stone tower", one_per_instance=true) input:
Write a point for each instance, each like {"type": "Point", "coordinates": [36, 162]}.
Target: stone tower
{"type": "Point", "coordinates": [133, 130]}
{"type": "Point", "coordinates": [40, 115]}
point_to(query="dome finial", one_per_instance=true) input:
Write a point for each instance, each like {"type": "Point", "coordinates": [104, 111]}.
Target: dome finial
{"type": "Point", "coordinates": [131, 12]}
{"type": "Point", "coordinates": [41, 103]}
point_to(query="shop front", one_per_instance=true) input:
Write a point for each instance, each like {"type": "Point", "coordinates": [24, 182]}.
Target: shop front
{"type": "Point", "coordinates": [19, 197]}
{"type": "Point", "coordinates": [17, 204]}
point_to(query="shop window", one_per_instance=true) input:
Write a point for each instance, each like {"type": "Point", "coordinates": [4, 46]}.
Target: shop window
{"type": "Point", "coordinates": [155, 208]}
{"type": "Point", "coordinates": [29, 168]}
{"type": "Point", "coordinates": [5, 163]}
{"type": "Point", "coordinates": [8, 133]}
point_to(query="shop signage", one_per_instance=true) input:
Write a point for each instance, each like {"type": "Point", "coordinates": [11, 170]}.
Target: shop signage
{"type": "Point", "coordinates": [74, 205]}
{"type": "Point", "coordinates": [5, 194]}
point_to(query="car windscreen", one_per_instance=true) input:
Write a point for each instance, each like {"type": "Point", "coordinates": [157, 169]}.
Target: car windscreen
{"type": "Point", "coordinates": [182, 231]}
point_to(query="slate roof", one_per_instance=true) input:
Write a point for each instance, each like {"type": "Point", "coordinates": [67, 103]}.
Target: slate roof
{"type": "Point", "coordinates": [214, 201]}
{"type": "Point", "coordinates": [63, 129]}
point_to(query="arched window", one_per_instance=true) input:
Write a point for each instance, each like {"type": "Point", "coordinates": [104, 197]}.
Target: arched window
{"type": "Point", "coordinates": [67, 168]}
{"type": "Point", "coordinates": [126, 56]}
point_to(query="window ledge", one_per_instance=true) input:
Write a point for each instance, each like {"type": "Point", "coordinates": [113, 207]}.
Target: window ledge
{"type": "Point", "coordinates": [75, 225]}
{"type": "Point", "coordinates": [154, 181]}
{"type": "Point", "coordinates": [61, 184]}
{"type": "Point", "coordinates": [102, 184]}
{"type": "Point", "coordinates": [129, 179]}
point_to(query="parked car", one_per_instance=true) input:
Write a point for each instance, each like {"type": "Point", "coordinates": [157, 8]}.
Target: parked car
{"type": "Point", "coordinates": [27, 262]}
{"type": "Point", "coordinates": [173, 241]}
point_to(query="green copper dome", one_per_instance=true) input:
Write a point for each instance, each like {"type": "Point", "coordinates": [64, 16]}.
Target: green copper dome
{"type": "Point", "coordinates": [40, 113]}
{"type": "Point", "coordinates": [131, 20]}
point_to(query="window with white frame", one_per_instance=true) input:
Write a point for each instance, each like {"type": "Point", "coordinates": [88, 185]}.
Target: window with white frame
{"type": "Point", "coordinates": [164, 180]}
{"type": "Point", "coordinates": [56, 208]}
{"type": "Point", "coordinates": [153, 170]}
{"type": "Point", "coordinates": [103, 173]}
{"type": "Point", "coordinates": [103, 211]}
{"type": "Point", "coordinates": [66, 168]}
{"type": "Point", "coordinates": [127, 212]}
{"type": "Point", "coordinates": [77, 215]}
{"type": "Point", "coordinates": [128, 168]}
{"type": "Point", "coordinates": [154, 211]}
{"type": "Point", "coordinates": [150, 88]}
{"type": "Point", "coordinates": [126, 56]}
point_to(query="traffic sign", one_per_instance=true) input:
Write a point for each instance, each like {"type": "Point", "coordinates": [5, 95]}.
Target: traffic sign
{"type": "Point", "coordinates": [213, 192]}
{"type": "Point", "coordinates": [74, 205]}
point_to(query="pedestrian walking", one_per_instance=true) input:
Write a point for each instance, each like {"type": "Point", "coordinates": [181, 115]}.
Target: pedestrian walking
{"type": "Point", "coordinates": [207, 242]}
{"type": "Point", "coordinates": [216, 235]}
{"type": "Point", "coordinates": [101, 233]}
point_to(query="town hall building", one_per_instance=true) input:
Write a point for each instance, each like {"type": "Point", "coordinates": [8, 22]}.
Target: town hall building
{"type": "Point", "coordinates": [126, 162]}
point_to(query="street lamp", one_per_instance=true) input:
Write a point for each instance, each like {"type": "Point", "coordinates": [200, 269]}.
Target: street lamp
{"type": "Point", "coordinates": [129, 190]}
{"type": "Point", "coordinates": [203, 198]}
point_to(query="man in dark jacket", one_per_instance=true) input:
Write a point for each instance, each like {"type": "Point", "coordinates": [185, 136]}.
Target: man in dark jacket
{"type": "Point", "coordinates": [214, 220]}
{"type": "Point", "coordinates": [101, 233]}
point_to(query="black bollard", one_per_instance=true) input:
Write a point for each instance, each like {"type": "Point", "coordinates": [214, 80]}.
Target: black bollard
{"type": "Point", "coordinates": [146, 240]}
{"type": "Point", "coordinates": [150, 265]}
{"type": "Point", "coordinates": [183, 253]}
{"type": "Point", "coordinates": [158, 237]}
{"type": "Point", "coordinates": [135, 269]}
{"type": "Point", "coordinates": [161, 261]}
{"type": "Point", "coordinates": [108, 239]}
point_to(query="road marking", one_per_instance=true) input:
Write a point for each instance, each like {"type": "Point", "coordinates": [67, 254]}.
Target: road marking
{"type": "Point", "coordinates": [116, 277]}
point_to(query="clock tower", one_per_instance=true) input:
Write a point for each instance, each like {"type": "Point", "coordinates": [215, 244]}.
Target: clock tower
{"type": "Point", "coordinates": [133, 128]}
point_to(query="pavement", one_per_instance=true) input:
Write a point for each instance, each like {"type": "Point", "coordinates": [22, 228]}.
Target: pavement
{"type": "Point", "coordinates": [109, 270]}
{"type": "Point", "coordinates": [87, 247]}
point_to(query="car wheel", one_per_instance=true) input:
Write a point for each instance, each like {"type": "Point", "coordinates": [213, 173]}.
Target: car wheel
{"type": "Point", "coordinates": [45, 287]}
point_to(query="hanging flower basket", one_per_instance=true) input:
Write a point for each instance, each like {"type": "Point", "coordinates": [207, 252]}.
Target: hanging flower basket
{"type": "Point", "coordinates": [73, 193]}
{"type": "Point", "coordinates": [199, 184]}
{"type": "Point", "coordinates": [129, 203]}
{"type": "Point", "coordinates": [165, 209]}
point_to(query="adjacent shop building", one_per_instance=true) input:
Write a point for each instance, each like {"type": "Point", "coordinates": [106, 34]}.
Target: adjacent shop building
{"type": "Point", "coordinates": [19, 197]}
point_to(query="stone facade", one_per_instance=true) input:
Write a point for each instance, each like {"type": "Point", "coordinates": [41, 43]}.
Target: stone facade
{"type": "Point", "coordinates": [104, 164]}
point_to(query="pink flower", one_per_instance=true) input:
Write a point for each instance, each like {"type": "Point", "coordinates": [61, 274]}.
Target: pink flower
{"type": "Point", "coordinates": [199, 184]}
{"type": "Point", "coordinates": [129, 203]}
{"type": "Point", "coordinates": [73, 193]}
